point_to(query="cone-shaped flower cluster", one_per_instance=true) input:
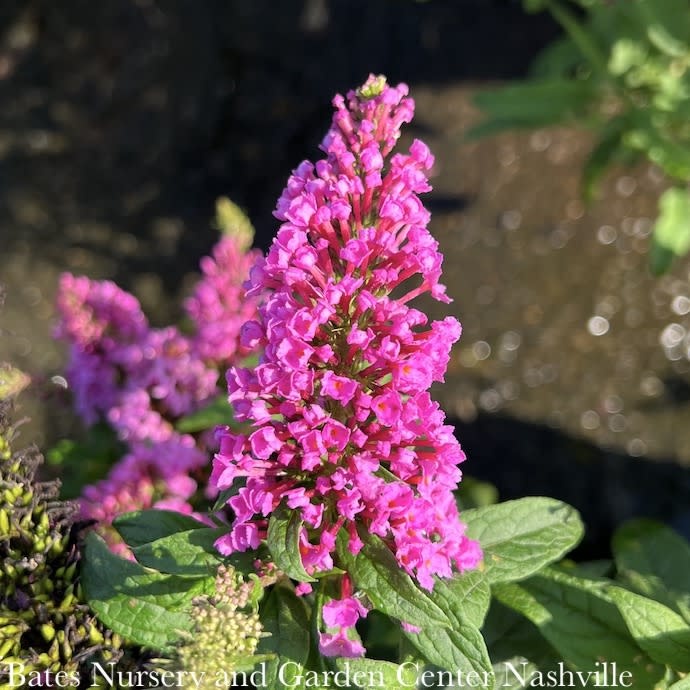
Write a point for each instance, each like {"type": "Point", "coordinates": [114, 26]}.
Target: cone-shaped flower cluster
{"type": "Point", "coordinates": [345, 431]}
{"type": "Point", "coordinates": [141, 379]}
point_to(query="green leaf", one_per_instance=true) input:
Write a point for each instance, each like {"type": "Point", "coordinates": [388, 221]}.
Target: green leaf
{"type": "Point", "coordinates": [473, 493]}
{"type": "Point", "coordinates": [217, 412]}
{"type": "Point", "coordinates": [579, 620]}
{"type": "Point", "coordinates": [606, 151]}
{"type": "Point", "coordinates": [659, 631]}
{"type": "Point", "coordinates": [375, 571]}
{"type": "Point", "coordinates": [661, 39]}
{"type": "Point", "coordinates": [520, 537]}
{"type": "Point", "coordinates": [537, 103]}
{"type": "Point", "coordinates": [284, 529]}
{"type": "Point", "coordinates": [87, 459]}
{"type": "Point", "coordinates": [184, 553]}
{"type": "Point", "coordinates": [225, 495]}
{"type": "Point", "coordinates": [683, 684]}
{"type": "Point", "coordinates": [654, 561]}
{"type": "Point", "coordinates": [143, 606]}
{"type": "Point", "coordinates": [12, 381]}
{"type": "Point", "coordinates": [465, 598]}
{"type": "Point", "coordinates": [460, 648]}
{"type": "Point", "coordinates": [514, 672]}
{"type": "Point", "coordinates": [285, 617]}
{"type": "Point", "coordinates": [588, 569]}
{"type": "Point", "coordinates": [144, 526]}
{"type": "Point", "coordinates": [671, 236]}
{"type": "Point", "coordinates": [508, 634]}
{"type": "Point", "coordinates": [384, 674]}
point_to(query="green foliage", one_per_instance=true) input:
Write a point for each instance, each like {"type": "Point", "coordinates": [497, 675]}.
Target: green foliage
{"type": "Point", "coordinates": [654, 561]}
{"type": "Point", "coordinates": [523, 615]}
{"type": "Point", "coordinates": [283, 542]}
{"type": "Point", "coordinates": [286, 617]}
{"type": "Point", "coordinates": [217, 412]}
{"type": "Point", "coordinates": [520, 537]}
{"type": "Point", "coordinates": [672, 230]}
{"type": "Point", "coordinates": [630, 59]}
{"type": "Point", "coordinates": [144, 606]}
{"type": "Point", "coordinates": [87, 460]}
{"type": "Point", "coordinates": [637, 618]}
{"type": "Point", "coordinates": [375, 571]}
{"type": "Point", "coordinates": [577, 617]}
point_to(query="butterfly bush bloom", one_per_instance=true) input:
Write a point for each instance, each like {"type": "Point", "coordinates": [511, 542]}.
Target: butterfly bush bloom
{"type": "Point", "coordinates": [218, 306]}
{"type": "Point", "coordinates": [142, 379]}
{"type": "Point", "coordinates": [344, 429]}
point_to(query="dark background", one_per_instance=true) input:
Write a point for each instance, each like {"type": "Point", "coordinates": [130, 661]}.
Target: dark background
{"type": "Point", "coordinates": [122, 121]}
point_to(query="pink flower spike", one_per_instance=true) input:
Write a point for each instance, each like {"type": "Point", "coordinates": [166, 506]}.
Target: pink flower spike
{"type": "Point", "coordinates": [343, 428]}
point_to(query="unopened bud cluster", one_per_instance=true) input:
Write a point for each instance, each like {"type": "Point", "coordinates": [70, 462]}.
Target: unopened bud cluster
{"type": "Point", "coordinates": [225, 634]}
{"type": "Point", "coordinates": [45, 626]}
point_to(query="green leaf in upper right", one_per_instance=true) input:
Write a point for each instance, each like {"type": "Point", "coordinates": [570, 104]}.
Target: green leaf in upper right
{"type": "Point", "coordinates": [537, 103]}
{"type": "Point", "coordinates": [671, 238]}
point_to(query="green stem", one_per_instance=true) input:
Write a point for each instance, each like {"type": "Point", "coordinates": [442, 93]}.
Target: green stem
{"type": "Point", "coordinates": [319, 598]}
{"type": "Point", "coordinates": [579, 36]}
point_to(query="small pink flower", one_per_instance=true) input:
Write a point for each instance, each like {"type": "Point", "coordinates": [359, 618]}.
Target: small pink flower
{"type": "Point", "coordinates": [338, 388]}
{"type": "Point", "coordinates": [264, 442]}
{"type": "Point", "coordinates": [343, 613]}
{"type": "Point", "coordinates": [339, 644]}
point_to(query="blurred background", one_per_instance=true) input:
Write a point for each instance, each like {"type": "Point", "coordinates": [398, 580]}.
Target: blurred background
{"type": "Point", "coordinates": [122, 121]}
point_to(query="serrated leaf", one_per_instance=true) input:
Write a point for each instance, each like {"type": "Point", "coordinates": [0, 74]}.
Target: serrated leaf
{"type": "Point", "coordinates": [658, 630]}
{"type": "Point", "coordinates": [375, 571]}
{"type": "Point", "coordinates": [143, 606]}
{"type": "Point", "coordinates": [144, 526]}
{"type": "Point", "coordinates": [218, 412]}
{"type": "Point", "coordinates": [460, 648]}
{"type": "Point", "coordinates": [580, 621]}
{"type": "Point", "coordinates": [360, 671]}
{"type": "Point", "coordinates": [284, 529]}
{"type": "Point", "coordinates": [285, 617]}
{"type": "Point", "coordinates": [191, 552]}
{"type": "Point", "coordinates": [654, 561]}
{"type": "Point", "coordinates": [522, 536]}
{"type": "Point", "coordinates": [671, 236]}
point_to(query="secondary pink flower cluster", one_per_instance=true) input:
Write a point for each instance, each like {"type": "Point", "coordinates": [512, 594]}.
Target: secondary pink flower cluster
{"type": "Point", "coordinates": [142, 379]}
{"type": "Point", "coordinates": [345, 431]}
